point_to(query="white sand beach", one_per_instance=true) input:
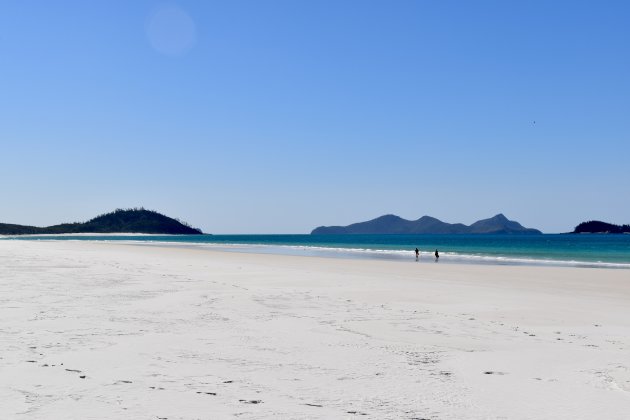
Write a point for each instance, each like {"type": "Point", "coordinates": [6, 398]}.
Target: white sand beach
{"type": "Point", "coordinates": [116, 331]}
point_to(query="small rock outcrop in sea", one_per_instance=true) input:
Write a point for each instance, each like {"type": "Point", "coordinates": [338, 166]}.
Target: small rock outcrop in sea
{"type": "Point", "coordinates": [391, 224]}
{"type": "Point", "coordinates": [118, 221]}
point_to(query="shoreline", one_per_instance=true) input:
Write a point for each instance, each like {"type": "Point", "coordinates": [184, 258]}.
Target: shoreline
{"type": "Point", "coordinates": [308, 250]}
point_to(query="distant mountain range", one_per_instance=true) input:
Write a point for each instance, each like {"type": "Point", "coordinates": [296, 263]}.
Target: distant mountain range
{"type": "Point", "coordinates": [118, 221]}
{"type": "Point", "coordinates": [595, 226]}
{"type": "Point", "coordinates": [391, 224]}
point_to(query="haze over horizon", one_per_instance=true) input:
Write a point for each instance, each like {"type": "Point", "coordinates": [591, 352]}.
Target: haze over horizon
{"type": "Point", "coordinates": [260, 117]}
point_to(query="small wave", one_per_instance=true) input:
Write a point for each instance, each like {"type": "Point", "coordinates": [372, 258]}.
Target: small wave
{"type": "Point", "coordinates": [395, 254]}
{"type": "Point", "coordinates": [349, 252]}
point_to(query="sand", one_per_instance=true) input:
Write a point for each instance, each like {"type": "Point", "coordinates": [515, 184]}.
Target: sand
{"type": "Point", "coordinates": [111, 331]}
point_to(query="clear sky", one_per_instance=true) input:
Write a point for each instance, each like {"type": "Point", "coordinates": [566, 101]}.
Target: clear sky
{"type": "Point", "coordinates": [280, 116]}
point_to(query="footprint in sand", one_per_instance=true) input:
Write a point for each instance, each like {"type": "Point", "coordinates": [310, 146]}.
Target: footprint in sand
{"type": "Point", "coordinates": [207, 393]}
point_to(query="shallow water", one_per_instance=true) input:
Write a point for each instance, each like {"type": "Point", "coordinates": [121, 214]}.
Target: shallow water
{"type": "Point", "coordinates": [572, 250]}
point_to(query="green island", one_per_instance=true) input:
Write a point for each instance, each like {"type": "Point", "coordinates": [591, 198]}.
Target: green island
{"type": "Point", "coordinates": [595, 226]}
{"type": "Point", "coordinates": [136, 220]}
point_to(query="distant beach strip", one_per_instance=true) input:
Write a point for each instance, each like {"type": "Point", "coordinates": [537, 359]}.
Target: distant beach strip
{"type": "Point", "coordinates": [597, 251]}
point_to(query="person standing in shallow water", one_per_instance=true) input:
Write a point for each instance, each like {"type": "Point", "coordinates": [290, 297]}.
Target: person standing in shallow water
{"type": "Point", "coordinates": [417, 254]}
{"type": "Point", "coordinates": [437, 256]}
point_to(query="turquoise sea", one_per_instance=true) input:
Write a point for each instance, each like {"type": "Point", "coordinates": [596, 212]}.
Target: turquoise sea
{"type": "Point", "coordinates": [549, 249]}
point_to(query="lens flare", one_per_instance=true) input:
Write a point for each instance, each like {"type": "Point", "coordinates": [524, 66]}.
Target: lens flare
{"type": "Point", "coordinates": [171, 31]}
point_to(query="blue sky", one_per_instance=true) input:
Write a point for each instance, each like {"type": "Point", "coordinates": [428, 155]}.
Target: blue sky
{"type": "Point", "coordinates": [280, 116]}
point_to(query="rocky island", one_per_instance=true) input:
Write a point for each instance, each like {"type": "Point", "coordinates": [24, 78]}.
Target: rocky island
{"type": "Point", "coordinates": [392, 224]}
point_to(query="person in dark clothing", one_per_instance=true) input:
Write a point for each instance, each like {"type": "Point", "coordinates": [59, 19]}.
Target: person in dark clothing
{"type": "Point", "coordinates": [417, 253]}
{"type": "Point", "coordinates": [436, 255]}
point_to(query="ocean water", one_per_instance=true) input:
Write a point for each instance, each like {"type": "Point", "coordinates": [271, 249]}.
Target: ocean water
{"type": "Point", "coordinates": [612, 251]}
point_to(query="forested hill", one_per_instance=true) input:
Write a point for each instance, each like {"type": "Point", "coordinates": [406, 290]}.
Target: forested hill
{"type": "Point", "coordinates": [595, 226]}
{"type": "Point", "coordinates": [118, 221]}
